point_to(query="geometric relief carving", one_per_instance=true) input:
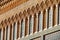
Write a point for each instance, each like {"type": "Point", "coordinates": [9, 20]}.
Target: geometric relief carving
{"type": "Point", "coordinates": [3, 2]}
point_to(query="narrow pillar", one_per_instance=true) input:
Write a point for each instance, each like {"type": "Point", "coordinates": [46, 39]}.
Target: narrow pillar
{"type": "Point", "coordinates": [2, 34]}
{"type": "Point", "coordinates": [5, 34]}
{"type": "Point", "coordinates": [56, 14]}
{"type": "Point", "coordinates": [11, 32]}
{"type": "Point", "coordinates": [20, 29]}
{"type": "Point", "coordinates": [27, 26]}
{"type": "Point", "coordinates": [8, 35]}
{"type": "Point", "coordinates": [46, 18]}
{"type": "Point", "coordinates": [36, 23]}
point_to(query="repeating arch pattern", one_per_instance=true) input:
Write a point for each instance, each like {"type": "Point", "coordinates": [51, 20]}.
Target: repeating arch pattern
{"type": "Point", "coordinates": [34, 11]}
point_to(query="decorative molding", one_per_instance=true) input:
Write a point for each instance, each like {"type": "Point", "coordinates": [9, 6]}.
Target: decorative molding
{"type": "Point", "coordinates": [3, 2]}
{"type": "Point", "coordinates": [21, 15]}
{"type": "Point", "coordinates": [10, 4]}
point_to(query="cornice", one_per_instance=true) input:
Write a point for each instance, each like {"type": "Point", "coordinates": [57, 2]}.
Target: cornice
{"type": "Point", "coordinates": [28, 8]}
{"type": "Point", "coordinates": [10, 5]}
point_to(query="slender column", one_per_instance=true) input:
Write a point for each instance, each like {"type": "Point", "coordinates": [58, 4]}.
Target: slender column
{"type": "Point", "coordinates": [41, 20]}
{"type": "Point", "coordinates": [56, 14]}
{"type": "Point", "coordinates": [36, 23]}
{"type": "Point", "coordinates": [8, 35]}
{"type": "Point", "coordinates": [28, 27]}
{"type": "Point", "coordinates": [5, 34]}
{"type": "Point", "coordinates": [2, 34]}
{"type": "Point", "coordinates": [46, 18]}
{"type": "Point", "coordinates": [19, 28]}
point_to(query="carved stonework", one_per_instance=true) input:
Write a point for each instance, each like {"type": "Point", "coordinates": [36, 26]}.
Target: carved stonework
{"type": "Point", "coordinates": [3, 2]}
{"type": "Point", "coordinates": [35, 16]}
{"type": "Point", "coordinates": [30, 11]}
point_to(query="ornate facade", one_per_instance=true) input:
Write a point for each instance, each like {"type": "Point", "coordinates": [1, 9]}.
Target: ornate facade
{"type": "Point", "coordinates": [29, 19]}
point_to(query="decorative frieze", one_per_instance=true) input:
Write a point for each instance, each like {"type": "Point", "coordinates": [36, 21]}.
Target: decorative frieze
{"type": "Point", "coordinates": [34, 20]}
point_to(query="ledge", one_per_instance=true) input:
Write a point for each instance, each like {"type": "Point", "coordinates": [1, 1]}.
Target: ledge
{"type": "Point", "coordinates": [10, 5]}
{"type": "Point", "coordinates": [44, 32]}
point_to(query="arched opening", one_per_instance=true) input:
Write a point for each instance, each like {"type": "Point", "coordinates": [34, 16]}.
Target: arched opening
{"type": "Point", "coordinates": [44, 19]}
{"type": "Point", "coordinates": [14, 31]}
{"type": "Point", "coordinates": [11, 28]}
{"type": "Point", "coordinates": [50, 17]}
{"type": "Point", "coordinates": [22, 28]}
{"type": "Point", "coordinates": [26, 26]}
{"type": "Point", "coordinates": [7, 33]}
{"type": "Point", "coordinates": [40, 21]}
{"type": "Point", "coordinates": [18, 29]}
{"type": "Point", "coordinates": [54, 16]}
{"type": "Point", "coordinates": [35, 21]}
{"type": "Point", "coordinates": [59, 14]}
{"type": "Point", "coordinates": [30, 25]}
{"type": "Point", "coordinates": [3, 33]}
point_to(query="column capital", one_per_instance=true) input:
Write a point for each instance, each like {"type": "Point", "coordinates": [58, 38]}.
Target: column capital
{"type": "Point", "coordinates": [46, 10]}
{"type": "Point", "coordinates": [51, 7]}
{"type": "Point", "coordinates": [37, 13]}
{"type": "Point", "coordinates": [41, 12]}
{"type": "Point", "coordinates": [56, 5]}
